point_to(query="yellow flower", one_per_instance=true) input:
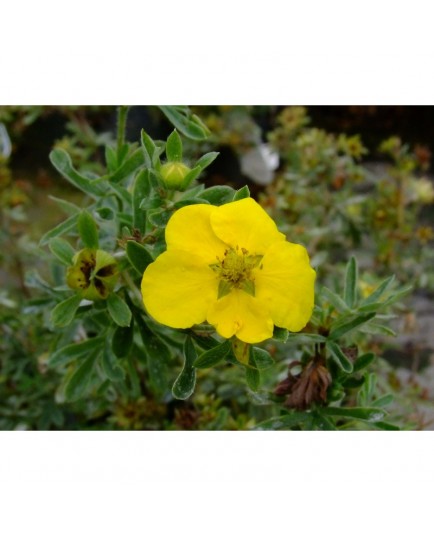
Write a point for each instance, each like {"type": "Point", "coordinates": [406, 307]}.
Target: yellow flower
{"type": "Point", "coordinates": [231, 267]}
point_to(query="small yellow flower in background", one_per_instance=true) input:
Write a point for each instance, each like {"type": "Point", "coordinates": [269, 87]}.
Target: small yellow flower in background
{"type": "Point", "coordinates": [231, 267]}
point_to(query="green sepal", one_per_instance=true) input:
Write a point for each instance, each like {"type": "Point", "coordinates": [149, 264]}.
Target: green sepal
{"type": "Point", "coordinates": [248, 287]}
{"type": "Point", "coordinates": [224, 288]}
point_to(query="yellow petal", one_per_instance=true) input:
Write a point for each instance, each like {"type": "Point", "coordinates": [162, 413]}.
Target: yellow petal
{"type": "Point", "coordinates": [240, 314]}
{"type": "Point", "coordinates": [189, 230]}
{"type": "Point", "coordinates": [178, 289]}
{"type": "Point", "coordinates": [245, 224]}
{"type": "Point", "coordinates": [285, 285]}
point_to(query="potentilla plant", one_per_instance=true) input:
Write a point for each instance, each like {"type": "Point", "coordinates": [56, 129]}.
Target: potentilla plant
{"type": "Point", "coordinates": [160, 281]}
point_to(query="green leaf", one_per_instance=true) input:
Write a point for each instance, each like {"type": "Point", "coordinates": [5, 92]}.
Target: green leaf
{"type": "Point", "coordinates": [378, 292]}
{"type": "Point", "coordinates": [62, 250]}
{"type": "Point", "coordinates": [141, 191]}
{"type": "Point", "coordinates": [337, 302]}
{"type": "Point", "coordinates": [212, 357]}
{"type": "Point", "coordinates": [88, 230]}
{"type": "Point", "coordinates": [62, 162]}
{"type": "Point", "coordinates": [350, 287]}
{"type": "Point", "coordinates": [131, 164]}
{"type": "Point", "coordinates": [193, 192]}
{"type": "Point", "coordinates": [174, 147]}
{"type": "Point", "coordinates": [122, 340]}
{"type": "Point", "coordinates": [205, 160]}
{"type": "Point", "coordinates": [322, 423]}
{"type": "Point", "coordinates": [78, 382]}
{"type": "Point", "coordinates": [187, 123]}
{"type": "Point", "coordinates": [280, 334]}
{"type": "Point", "coordinates": [67, 207]}
{"type": "Point", "coordinates": [63, 228]}
{"type": "Point", "coordinates": [138, 256]}
{"type": "Point", "coordinates": [110, 366]}
{"type": "Point", "coordinates": [353, 382]}
{"type": "Point", "coordinates": [343, 329]}
{"type": "Point", "coordinates": [363, 414]}
{"type": "Point", "coordinates": [242, 193]}
{"type": "Point", "coordinates": [186, 381]}
{"type": "Point", "coordinates": [340, 358]}
{"type": "Point", "coordinates": [383, 401]}
{"type": "Point", "coordinates": [67, 354]}
{"type": "Point", "coordinates": [186, 202]}
{"type": "Point", "coordinates": [383, 425]}
{"type": "Point", "coordinates": [105, 213]}
{"type": "Point", "coordinates": [363, 361]}
{"type": "Point", "coordinates": [133, 378]}
{"type": "Point", "coordinates": [218, 195]}
{"type": "Point", "coordinates": [253, 378]}
{"type": "Point", "coordinates": [157, 356]}
{"type": "Point", "coordinates": [305, 338]}
{"type": "Point", "coordinates": [64, 312]}
{"type": "Point", "coordinates": [159, 218]}
{"type": "Point", "coordinates": [149, 149]}
{"type": "Point", "coordinates": [378, 329]}
{"type": "Point", "coordinates": [119, 310]}
{"type": "Point", "coordinates": [284, 421]}
{"type": "Point", "coordinates": [111, 159]}
{"type": "Point", "coordinates": [261, 358]}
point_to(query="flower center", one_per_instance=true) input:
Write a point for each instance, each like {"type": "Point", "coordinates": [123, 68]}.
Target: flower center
{"type": "Point", "coordinates": [235, 271]}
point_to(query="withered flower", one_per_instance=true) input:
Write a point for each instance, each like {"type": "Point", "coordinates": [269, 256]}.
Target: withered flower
{"type": "Point", "coordinates": [306, 388]}
{"type": "Point", "coordinates": [94, 274]}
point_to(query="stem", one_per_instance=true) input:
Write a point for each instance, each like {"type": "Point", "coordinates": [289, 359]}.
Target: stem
{"type": "Point", "coordinates": [122, 122]}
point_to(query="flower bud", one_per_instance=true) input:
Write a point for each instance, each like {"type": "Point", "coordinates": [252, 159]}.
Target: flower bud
{"type": "Point", "coordinates": [173, 174]}
{"type": "Point", "coordinates": [93, 274]}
